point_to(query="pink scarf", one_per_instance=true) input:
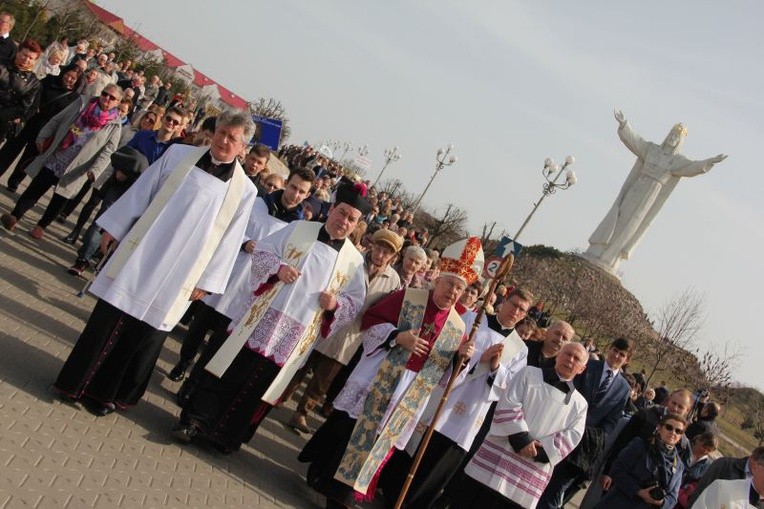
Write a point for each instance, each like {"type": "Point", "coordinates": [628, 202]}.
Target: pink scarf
{"type": "Point", "coordinates": [92, 118]}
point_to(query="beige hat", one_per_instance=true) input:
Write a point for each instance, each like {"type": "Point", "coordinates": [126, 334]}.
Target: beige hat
{"type": "Point", "coordinates": [389, 238]}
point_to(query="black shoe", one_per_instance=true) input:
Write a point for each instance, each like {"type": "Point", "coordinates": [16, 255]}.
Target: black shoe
{"type": "Point", "coordinates": [184, 433]}
{"type": "Point", "coordinates": [70, 239]}
{"type": "Point", "coordinates": [97, 408]}
{"type": "Point", "coordinates": [61, 219]}
{"type": "Point", "coordinates": [79, 267]}
{"type": "Point", "coordinates": [178, 373]}
{"type": "Point", "coordinates": [11, 189]}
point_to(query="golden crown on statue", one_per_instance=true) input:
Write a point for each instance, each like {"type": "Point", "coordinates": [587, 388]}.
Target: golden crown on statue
{"type": "Point", "coordinates": [679, 129]}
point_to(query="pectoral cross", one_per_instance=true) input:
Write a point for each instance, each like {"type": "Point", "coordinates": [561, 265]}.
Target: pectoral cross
{"type": "Point", "coordinates": [427, 331]}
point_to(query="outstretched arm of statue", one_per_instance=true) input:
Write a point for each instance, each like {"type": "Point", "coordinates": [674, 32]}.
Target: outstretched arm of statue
{"type": "Point", "coordinates": [693, 168]}
{"type": "Point", "coordinates": [619, 116]}
{"type": "Point", "coordinates": [632, 140]}
{"type": "Point", "coordinates": [717, 159]}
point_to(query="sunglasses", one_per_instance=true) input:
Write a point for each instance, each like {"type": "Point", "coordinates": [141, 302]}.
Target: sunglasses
{"type": "Point", "coordinates": [171, 120]}
{"type": "Point", "coordinates": [672, 429]}
{"type": "Point", "coordinates": [111, 97]}
{"type": "Point", "coordinates": [150, 120]}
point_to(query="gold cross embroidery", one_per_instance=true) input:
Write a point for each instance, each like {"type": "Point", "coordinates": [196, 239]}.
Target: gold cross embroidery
{"type": "Point", "coordinates": [293, 253]}
{"type": "Point", "coordinates": [460, 408]}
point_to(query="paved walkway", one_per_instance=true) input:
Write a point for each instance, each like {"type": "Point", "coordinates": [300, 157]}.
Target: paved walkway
{"type": "Point", "coordinates": [57, 455]}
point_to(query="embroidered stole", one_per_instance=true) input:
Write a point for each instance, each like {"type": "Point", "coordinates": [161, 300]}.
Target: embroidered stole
{"type": "Point", "coordinates": [364, 455]}
{"type": "Point", "coordinates": [223, 219]}
{"type": "Point", "coordinates": [345, 266]}
{"type": "Point", "coordinates": [297, 249]}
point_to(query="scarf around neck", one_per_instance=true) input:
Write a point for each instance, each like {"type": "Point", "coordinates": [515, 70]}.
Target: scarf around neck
{"type": "Point", "coordinates": [92, 118]}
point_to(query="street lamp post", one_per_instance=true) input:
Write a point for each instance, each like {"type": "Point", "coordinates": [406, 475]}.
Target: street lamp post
{"type": "Point", "coordinates": [552, 174]}
{"type": "Point", "coordinates": [335, 146]}
{"type": "Point", "coordinates": [348, 146]}
{"type": "Point", "coordinates": [443, 158]}
{"type": "Point", "coordinates": [391, 156]}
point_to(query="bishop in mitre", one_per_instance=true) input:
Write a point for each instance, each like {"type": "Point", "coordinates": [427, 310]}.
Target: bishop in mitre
{"type": "Point", "coordinates": [410, 344]}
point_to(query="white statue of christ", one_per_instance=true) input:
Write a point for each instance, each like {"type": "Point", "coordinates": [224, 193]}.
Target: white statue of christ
{"type": "Point", "coordinates": [655, 174]}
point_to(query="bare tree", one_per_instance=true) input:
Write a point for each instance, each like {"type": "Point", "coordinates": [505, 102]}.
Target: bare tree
{"type": "Point", "coordinates": [273, 108]}
{"type": "Point", "coordinates": [71, 20]}
{"type": "Point", "coordinates": [678, 322]}
{"type": "Point", "coordinates": [40, 8]}
{"type": "Point", "coordinates": [446, 228]}
{"type": "Point", "coordinates": [714, 370]}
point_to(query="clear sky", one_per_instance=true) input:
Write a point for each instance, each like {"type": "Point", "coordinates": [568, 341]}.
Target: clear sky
{"type": "Point", "coordinates": [510, 83]}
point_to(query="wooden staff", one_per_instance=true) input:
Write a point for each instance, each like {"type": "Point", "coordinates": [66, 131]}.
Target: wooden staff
{"type": "Point", "coordinates": [504, 267]}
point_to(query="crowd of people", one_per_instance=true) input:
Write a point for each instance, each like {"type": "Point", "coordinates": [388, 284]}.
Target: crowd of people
{"type": "Point", "coordinates": [318, 279]}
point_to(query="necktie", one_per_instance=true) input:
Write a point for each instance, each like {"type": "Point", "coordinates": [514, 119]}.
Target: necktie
{"type": "Point", "coordinates": [604, 386]}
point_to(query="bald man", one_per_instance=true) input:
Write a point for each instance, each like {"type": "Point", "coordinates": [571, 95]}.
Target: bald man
{"type": "Point", "coordinates": [542, 354]}
{"type": "Point", "coordinates": [538, 421]}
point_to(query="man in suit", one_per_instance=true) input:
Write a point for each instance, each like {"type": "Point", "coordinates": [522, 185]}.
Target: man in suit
{"type": "Point", "coordinates": [606, 392]}
{"type": "Point", "coordinates": [728, 469]}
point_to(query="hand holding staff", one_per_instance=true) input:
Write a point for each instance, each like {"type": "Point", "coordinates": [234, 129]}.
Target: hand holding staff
{"type": "Point", "coordinates": [506, 265]}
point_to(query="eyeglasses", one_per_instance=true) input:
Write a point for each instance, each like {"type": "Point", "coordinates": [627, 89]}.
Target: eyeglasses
{"type": "Point", "coordinates": [672, 429]}
{"type": "Point", "coordinates": [111, 97]}
{"type": "Point", "coordinates": [521, 307]}
{"type": "Point", "coordinates": [150, 120]}
{"type": "Point", "coordinates": [171, 120]}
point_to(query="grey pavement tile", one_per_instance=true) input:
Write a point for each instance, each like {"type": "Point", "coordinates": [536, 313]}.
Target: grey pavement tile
{"type": "Point", "coordinates": [54, 454]}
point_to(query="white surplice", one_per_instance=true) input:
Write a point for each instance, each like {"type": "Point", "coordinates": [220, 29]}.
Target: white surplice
{"type": "Point", "coordinates": [466, 407]}
{"type": "Point", "coordinates": [548, 415]}
{"type": "Point", "coordinates": [725, 494]}
{"type": "Point", "coordinates": [260, 225]}
{"type": "Point", "coordinates": [295, 305]}
{"type": "Point", "coordinates": [153, 277]}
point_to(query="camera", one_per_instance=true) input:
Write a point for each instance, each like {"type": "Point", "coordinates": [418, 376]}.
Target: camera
{"type": "Point", "coordinates": [657, 493]}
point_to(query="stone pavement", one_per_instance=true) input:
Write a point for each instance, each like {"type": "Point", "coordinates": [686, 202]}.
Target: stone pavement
{"type": "Point", "coordinates": [57, 455]}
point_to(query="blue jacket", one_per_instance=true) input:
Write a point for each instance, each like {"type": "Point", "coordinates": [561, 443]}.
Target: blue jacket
{"type": "Point", "coordinates": [632, 471]}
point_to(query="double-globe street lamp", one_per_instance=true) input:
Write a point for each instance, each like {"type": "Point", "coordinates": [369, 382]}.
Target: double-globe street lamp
{"type": "Point", "coordinates": [391, 156]}
{"type": "Point", "coordinates": [443, 158]}
{"type": "Point", "coordinates": [552, 173]}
